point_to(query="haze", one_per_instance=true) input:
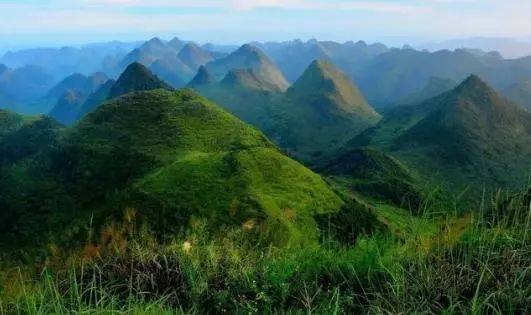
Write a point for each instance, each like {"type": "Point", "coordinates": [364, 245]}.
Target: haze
{"type": "Point", "coordinates": [29, 23]}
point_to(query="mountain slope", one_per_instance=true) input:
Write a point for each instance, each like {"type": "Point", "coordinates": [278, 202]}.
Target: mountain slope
{"type": "Point", "coordinates": [172, 70]}
{"type": "Point", "coordinates": [181, 153]}
{"type": "Point", "coordinates": [95, 99]}
{"type": "Point", "coordinates": [202, 78]}
{"type": "Point", "coordinates": [520, 93]}
{"type": "Point", "coordinates": [175, 158]}
{"type": "Point", "coordinates": [467, 137]}
{"type": "Point", "coordinates": [376, 174]}
{"type": "Point", "coordinates": [434, 87]}
{"type": "Point", "coordinates": [67, 108]}
{"type": "Point", "coordinates": [242, 92]}
{"type": "Point", "coordinates": [249, 57]}
{"type": "Point", "coordinates": [147, 53]}
{"type": "Point", "coordinates": [321, 111]}
{"type": "Point", "coordinates": [78, 82]}
{"type": "Point", "coordinates": [136, 77]}
{"type": "Point", "coordinates": [194, 56]}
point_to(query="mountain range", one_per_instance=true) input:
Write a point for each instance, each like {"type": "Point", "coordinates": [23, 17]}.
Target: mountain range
{"type": "Point", "coordinates": [163, 153]}
{"type": "Point", "coordinates": [77, 102]}
{"type": "Point", "coordinates": [469, 138]}
{"type": "Point", "coordinates": [317, 114]}
{"type": "Point", "coordinates": [386, 76]}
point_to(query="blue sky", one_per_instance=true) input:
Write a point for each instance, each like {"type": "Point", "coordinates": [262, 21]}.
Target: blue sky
{"type": "Point", "coordinates": [55, 22]}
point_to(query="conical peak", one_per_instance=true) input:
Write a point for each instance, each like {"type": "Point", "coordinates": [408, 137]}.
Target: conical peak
{"type": "Point", "coordinates": [137, 77]}
{"type": "Point", "coordinates": [136, 67]}
{"type": "Point", "coordinates": [203, 77]}
{"type": "Point", "coordinates": [155, 41]}
{"type": "Point", "coordinates": [473, 82]}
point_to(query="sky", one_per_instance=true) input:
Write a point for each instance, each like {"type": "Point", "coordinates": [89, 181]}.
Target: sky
{"type": "Point", "coordinates": [68, 22]}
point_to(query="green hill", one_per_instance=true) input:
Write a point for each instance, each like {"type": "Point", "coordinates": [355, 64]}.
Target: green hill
{"type": "Point", "coordinates": [249, 57]}
{"type": "Point", "coordinates": [175, 158]}
{"type": "Point", "coordinates": [136, 77]}
{"type": "Point", "coordinates": [243, 93]}
{"type": "Point", "coordinates": [469, 138]}
{"type": "Point", "coordinates": [378, 175]}
{"type": "Point", "coordinates": [29, 193]}
{"type": "Point", "coordinates": [321, 111]}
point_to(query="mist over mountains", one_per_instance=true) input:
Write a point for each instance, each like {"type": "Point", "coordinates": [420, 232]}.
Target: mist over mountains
{"type": "Point", "coordinates": [386, 76]}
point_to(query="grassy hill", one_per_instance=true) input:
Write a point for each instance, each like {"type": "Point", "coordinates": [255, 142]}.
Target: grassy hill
{"type": "Point", "coordinates": [320, 112]}
{"type": "Point", "coordinates": [468, 138]}
{"type": "Point", "coordinates": [378, 175]}
{"type": "Point", "coordinates": [136, 77]}
{"type": "Point", "coordinates": [315, 116]}
{"type": "Point", "coordinates": [175, 158]}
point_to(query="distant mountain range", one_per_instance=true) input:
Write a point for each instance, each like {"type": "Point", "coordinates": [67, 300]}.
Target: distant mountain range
{"type": "Point", "coordinates": [386, 76]}
{"type": "Point", "coordinates": [317, 114]}
{"type": "Point", "coordinates": [75, 102]}
{"type": "Point", "coordinates": [509, 48]}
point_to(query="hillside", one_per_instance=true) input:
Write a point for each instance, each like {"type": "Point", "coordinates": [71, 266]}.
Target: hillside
{"type": "Point", "coordinates": [321, 111]}
{"type": "Point", "coordinates": [172, 70]}
{"type": "Point", "coordinates": [468, 137]}
{"type": "Point", "coordinates": [79, 83]}
{"type": "Point", "coordinates": [194, 56]}
{"type": "Point", "coordinates": [175, 158]}
{"type": "Point", "coordinates": [294, 57]}
{"type": "Point", "coordinates": [376, 174]}
{"type": "Point", "coordinates": [152, 50]}
{"type": "Point", "coordinates": [23, 88]}
{"type": "Point", "coordinates": [202, 78]}
{"type": "Point", "coordinates": [244, 93]}
{"type": "Point", "coordinates": [249, 57]}
{"type": "Point", "coordinates": [95, 99]}
{"type": "Point", "coordinates": [434, 87]}
{"type": "Point", "coordinates": [68, 107]}
{"type": "Point", "coordinates": [136, 77]}
{"type": "Point", "coordinates": [520, 93]}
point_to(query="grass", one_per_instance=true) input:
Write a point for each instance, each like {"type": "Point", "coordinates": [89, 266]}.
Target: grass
{"type": "Point", "coordinates": [477, 264]}
{"type": "Point", "coordinates": [174, 157]}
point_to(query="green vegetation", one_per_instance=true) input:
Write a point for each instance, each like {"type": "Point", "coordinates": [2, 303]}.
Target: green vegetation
{"type": "Point", "coordinates": [453, 265]}
{"type": "Point", "coordinates": [160, 201]}
{"type": "Point", "coordinates": [321, 111]}
{"type": "Point", "coordinates": [316, 116]}
{"type": "Point", "coordinates": [175, 157]}
{"type": "Point", "coordinates": [468, 139]}
{"type": "Point", "coordinates": [378, 175]}
{"type": "Point", "coordinates": [136, 77]}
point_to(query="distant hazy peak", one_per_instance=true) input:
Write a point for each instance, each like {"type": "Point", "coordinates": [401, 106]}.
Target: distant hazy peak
{"type": "Point", "coordinates": [176, 43]}
{"type": "Point", "coordinates": [203, 77]}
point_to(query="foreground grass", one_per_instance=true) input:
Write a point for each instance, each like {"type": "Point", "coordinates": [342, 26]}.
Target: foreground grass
{"type": "Point", "coordinates": [478, 264]}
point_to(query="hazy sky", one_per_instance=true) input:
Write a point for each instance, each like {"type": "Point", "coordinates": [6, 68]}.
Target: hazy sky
{"type": "Point", "coordinates": [24, 22]}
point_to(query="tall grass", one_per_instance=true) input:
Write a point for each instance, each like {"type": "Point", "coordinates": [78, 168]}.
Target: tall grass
{"type": "Point", "coordinates": [475, 264]}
